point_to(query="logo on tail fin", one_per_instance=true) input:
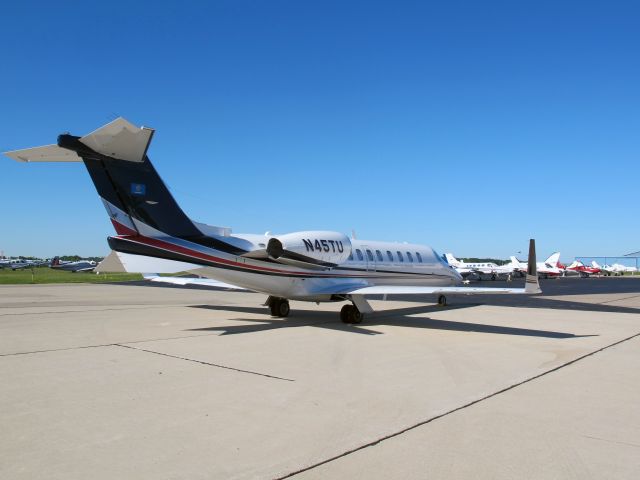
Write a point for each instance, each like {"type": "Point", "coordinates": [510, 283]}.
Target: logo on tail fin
{"type": "Point", "coordinates": [139, 189]}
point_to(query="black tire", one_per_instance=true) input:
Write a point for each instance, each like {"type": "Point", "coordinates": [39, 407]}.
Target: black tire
{"type": "Point", "coordinates": [355, 316]}
{"type": "Point", "coordinates": [442, 301]}
{"type": "Point", "coordinates": [493, 276]}
{"type": "Point", "coordinates": [279, 307]}
{"type": "Point", "coordinates": [344, 313]}
{"type": "Point", "coordinates": [273, 306]}
{"type": "Point", "coordinates": [284, 308]}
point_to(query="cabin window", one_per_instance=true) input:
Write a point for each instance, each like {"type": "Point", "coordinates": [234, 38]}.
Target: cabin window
{"type": "Point", "coordinates": [390, 256]}
{"type": "Point", "coordinates": [369, 255]}
{"type": "Point", "coordinates": [400, 257]}
{"type": "Point", "coordinates": [419, 257]}
{"type": "Point", "coordinates": [379, 256]}
{"type": "Point", "coordinates": [410, 257]}
{"type": "Point", "coordinates": [359, 254]}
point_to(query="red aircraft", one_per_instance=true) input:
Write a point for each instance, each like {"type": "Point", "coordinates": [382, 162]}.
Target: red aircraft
{"type": "Point", "coordinates": [580, 268]}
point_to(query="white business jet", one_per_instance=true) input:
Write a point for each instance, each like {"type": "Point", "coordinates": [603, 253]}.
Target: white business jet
{"type": "Point", "coordinates": [314, 266]}
{"type": "Point", "coordinates": [491, 269]}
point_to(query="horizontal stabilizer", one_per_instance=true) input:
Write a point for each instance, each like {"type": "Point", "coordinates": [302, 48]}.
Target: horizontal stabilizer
{"type": "Point", "coordinates": [120, 139]}
{"type": "Point", "coordinates": [203, 282]}
{"type": "Point", "coordinates": [48, 153]}
{"type": "Point", "coordinates": [126, 262]}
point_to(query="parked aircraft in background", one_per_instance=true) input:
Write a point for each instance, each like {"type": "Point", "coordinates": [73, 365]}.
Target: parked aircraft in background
{"type": "Point", "coordinates": [19, 264]}
{"type": "Point", "coordinates": [581, 269]}
{"type": "Point", "coordinates": [483, 268]}
{"type": "Point", "coordinates": [314, 266]}
{"type": "Point", "coordinates": [78, 266]}
{"type": "Point", "coordinates": [550, 267]}
{"type": "Point", "coordinates": [605, 270]}
{"type": "Point", "coordinates": [616, 269]}
{"type": "Point", "coordinates": [463, 270]}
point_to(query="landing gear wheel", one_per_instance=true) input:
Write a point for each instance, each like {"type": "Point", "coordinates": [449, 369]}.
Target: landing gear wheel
{"type": "Point", "coordinates": [344, 313]}
{"type": "Point", "coordinates": [280, 307]}
{"type": "Point", "coordinates": [355, 316]}
{"type": "Point", "coordinates": [493, 276]}
{"type": "Point", "coordinates": [442, 301]}
{"type": "Point", "coordinates": [350, 314]}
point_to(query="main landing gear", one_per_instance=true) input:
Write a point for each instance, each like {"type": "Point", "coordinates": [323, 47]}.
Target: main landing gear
{"type": "Point", "coordinates": [279, 307]}
{"type": "Point", "coordinates": [351, 314]}
{"type": "Point", "coordinates": [442, 301]}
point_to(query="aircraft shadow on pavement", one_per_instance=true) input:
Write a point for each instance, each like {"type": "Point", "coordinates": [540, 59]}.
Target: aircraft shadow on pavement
{"type": "Point", "coordinates": [532, 302]}
{"type": "Point", "coordinates": [400, 318]}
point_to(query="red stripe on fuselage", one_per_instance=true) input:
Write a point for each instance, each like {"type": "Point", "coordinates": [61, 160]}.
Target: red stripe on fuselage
{"type": "Point", "coordinates": [121, 229]}
{"type": "Point", "coordinates": [172, 247]}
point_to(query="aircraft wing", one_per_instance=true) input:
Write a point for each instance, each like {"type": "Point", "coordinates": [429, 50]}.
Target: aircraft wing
{"type": "Point", "coordinates": [409, 290]}
{"type": "Point", "coordinates": [531, 286]}
{"type": "Point", "coordinates": [207, 282]}
{"type": "Point", "coordinates": [84, 269]}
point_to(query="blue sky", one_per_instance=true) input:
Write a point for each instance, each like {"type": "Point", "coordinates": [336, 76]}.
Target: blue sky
{"type": "Point", "coordinates": [468, 126]}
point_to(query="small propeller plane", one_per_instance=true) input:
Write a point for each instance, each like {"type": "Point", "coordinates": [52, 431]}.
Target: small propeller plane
{"type": "Point", "coordinates": [313, 266]}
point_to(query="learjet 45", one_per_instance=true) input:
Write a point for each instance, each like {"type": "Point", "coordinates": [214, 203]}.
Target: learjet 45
{"type": "Point", "coordinates": [314, 266]}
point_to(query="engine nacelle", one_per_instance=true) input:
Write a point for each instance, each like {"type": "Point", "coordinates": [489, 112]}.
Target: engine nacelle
{"type": "Point", "coordinates": [323, 249]}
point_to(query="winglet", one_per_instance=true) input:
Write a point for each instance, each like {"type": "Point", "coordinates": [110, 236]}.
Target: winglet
{"type": "Point", "coordinates": [531, 284]}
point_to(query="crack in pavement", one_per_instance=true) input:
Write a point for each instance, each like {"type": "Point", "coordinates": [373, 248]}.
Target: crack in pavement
{"type": "Point", "coordinates": [207, 363]}
{"type": "Point", "coordinates": [445, 414]}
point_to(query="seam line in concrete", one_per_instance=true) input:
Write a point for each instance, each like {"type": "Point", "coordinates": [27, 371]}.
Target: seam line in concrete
{"type": "Point", "coordinates": [56, 350]}
{"type": "Point", "coordinates": [132, 307]}
{"type": "Point", "coordinates": [462, 407]}
{"type": "Point", "coordinates": [201, 362]}
{"type": "Point", "coordinates": [620, 299]}
{"type": "Point", "coordinates": [107, 344]}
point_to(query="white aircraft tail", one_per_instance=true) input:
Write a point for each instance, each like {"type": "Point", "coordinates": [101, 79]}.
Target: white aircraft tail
{"type": "Point", "coordinates": [514, 261]}
{"type": "Point", "coordinates": [594, 264]}
{"type": "Point", "coordinates": [451, 260]}
{"type": "Point", "coordinates": [553, 259]}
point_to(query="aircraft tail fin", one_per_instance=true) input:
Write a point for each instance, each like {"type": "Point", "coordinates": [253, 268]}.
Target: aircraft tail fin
{"type": "Point", "coordinates": [451, 260]}
{"type": "Point", "coordinates": [553, 259]}
{"type": "Point", "coordinates": [133, 193]}
{"type": "Point", "coordinates": [595, 264]}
